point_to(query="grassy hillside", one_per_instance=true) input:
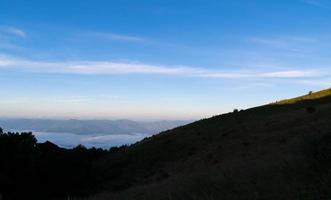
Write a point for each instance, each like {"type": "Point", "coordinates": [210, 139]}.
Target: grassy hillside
{"type": "Point", "coordinates": [278, 151]}
{"type": "Point", "coordinates": [310, 96]}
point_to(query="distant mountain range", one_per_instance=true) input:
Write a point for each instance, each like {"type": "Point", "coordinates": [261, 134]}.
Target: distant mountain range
{"type": "Point", "coordinates": [98, 127]}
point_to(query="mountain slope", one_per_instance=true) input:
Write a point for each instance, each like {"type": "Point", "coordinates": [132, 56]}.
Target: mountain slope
{"type": "Point", "coordinates": [268, 152]}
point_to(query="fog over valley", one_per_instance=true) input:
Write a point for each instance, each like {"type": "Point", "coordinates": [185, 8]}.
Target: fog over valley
{"type": "Point", "coordinates": [90, 133]}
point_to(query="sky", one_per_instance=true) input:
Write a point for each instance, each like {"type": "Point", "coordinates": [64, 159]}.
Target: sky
{"type": "Point", "coordinates": [159, 59]}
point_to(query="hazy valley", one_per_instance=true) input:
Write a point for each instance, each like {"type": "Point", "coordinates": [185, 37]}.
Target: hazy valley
{"type": "Point", "coordinates": [97, 133]}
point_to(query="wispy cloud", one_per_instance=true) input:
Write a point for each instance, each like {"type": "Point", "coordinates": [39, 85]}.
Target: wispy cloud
{"type": "Point", "coordinates": [253, 85]}
{"type": "Point", "coordinates": [316, 3]}
{"type": "Point", "coordinates": [320, 83]}
{"type": "Point", "coordinates": [72, 100]}
{"type": "Point", "coordinates": [13, 31]}
{"type": "Point", "coordinates": [292, 74]}
{"type": "Point", "coordinates": [4, 44]}
{"type": "Point", "coordinates": [114, 36]}
{"type": "Point", "coordinates": [271, 74]}
{"type": "Point", "coordinates": [92, 67]}
{"type": "Point", "coordinates": [112, 68]}
{"type": "Point", "coordinates": [83, 99]}
{"type": "Point", "coordinates": [292, 43]}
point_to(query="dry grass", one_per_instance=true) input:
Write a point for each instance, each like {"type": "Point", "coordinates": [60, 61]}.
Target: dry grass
{"type": "Point", "coordinates": [312, 96]}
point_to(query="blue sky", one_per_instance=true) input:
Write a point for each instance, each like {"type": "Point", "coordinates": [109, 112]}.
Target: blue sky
{"type": "Point", "coordinates": [153, 59]}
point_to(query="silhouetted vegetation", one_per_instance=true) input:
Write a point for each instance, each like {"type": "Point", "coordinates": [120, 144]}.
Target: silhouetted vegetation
{"type": "Point", "coordinates": [30, 170]}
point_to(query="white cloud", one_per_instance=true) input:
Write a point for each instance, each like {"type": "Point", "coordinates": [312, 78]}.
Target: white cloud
{"type": "Point", "coordinates": [4, 62]}
{"type": "Point", "coordinates": [107, 67]}
{"type": "Point", "coordinates": [272, 74]}
{"type": "Point", "coordinates": [13, 31]}
{"type": "Point", "coordinates": [113, 36]}
{"type": "Point", "coordinates": [292, 74]}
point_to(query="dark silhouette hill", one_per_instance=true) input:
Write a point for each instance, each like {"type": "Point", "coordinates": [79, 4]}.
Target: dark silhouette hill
{"type": "Point", "coordinates": [276, 151]}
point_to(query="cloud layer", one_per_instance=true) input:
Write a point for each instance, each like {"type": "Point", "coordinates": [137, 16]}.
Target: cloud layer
{"type": "Point", "coordinates": [112, 68]}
